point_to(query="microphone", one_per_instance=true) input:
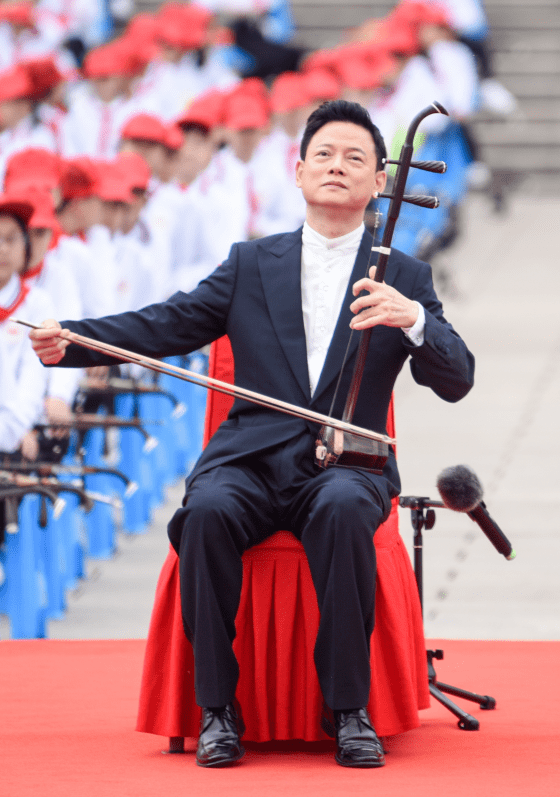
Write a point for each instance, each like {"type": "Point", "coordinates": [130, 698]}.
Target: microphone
{"type": "Point", "coordinates": [461, 491]}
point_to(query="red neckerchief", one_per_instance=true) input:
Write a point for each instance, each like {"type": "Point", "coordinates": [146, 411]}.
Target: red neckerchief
{"type": "Point", "coordinates": [6, 312]}
{"type": "Point", "coordinates": [29, 273]}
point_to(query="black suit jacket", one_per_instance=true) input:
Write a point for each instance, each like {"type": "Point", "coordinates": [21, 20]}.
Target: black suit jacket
{"type": "Point", "coordinates": [254, 297]}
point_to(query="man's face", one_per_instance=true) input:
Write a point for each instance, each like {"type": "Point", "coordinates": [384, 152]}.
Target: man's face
{"type": "Point", "coordinates": [340, 168]}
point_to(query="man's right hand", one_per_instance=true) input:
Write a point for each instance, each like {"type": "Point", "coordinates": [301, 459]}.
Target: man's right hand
{"type": "Point", "coordinates": [48, 342]}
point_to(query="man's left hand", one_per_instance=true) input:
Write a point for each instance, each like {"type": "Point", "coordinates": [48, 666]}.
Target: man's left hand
{"type": "Point", "coordinates": [381, 305]}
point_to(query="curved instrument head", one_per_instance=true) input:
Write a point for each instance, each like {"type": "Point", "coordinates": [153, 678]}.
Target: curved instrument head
{"type": "Point", "coordinates": [439, 108]}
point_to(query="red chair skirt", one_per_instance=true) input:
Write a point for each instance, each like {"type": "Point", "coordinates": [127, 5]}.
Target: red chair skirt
{"type": "Point", "coordinates": [277, 624]}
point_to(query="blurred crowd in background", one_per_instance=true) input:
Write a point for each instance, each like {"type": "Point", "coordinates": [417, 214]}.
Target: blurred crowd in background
{"type": "Point", "coordinates": [136, 148]}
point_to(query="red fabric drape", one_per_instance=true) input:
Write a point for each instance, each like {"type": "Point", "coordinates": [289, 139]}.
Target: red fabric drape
{"type": "Point", "coordinates": [277, 624]}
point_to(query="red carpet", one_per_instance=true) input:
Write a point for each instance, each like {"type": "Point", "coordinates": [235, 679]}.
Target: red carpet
{"type": "Point", "coordinates": [69, 709]}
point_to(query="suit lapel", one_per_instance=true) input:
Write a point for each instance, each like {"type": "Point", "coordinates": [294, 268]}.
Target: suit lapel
{"type": "Point", "coordinates": [280, 269]}
{"type": "Point", "coordinates": [342, 332]}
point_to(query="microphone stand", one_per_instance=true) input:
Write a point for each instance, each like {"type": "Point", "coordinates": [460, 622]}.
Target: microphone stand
{"type": "Point", "coordinates": [423, 516]}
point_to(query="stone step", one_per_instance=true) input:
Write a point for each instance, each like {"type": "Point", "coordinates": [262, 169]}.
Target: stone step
{"type": "Point", "coordinates": [499, 5]}
{"type": "Point", "coordinates": [527, 17]}
{"type": "Point", "coordinates": [525, 41]}
{"type": "Point", "coordinates": [531, 109]}
{"type": "Point", "coordinates": [528, 62]}
{"type": "Point", "coordinates": [330, 16]}
{"type": "Point", "coordinates": [534, 86]}
{"type": "Point", "coordinates": [508, 133]}
{"type": "Point", "coordinates": [526, 158]}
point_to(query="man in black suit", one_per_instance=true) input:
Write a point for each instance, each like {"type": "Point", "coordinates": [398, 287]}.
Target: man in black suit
{"type": "Point", "coordinates": [288, 305]}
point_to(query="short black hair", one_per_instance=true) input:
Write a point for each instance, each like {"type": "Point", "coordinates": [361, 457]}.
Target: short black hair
{"type": "Point", "coordinates": [198, 127]}
{"type": "Point", "coordinates": [343, 111]}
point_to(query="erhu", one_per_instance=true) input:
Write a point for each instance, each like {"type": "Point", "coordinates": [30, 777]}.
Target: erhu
{"type": "Point", "coordinates": [336, 446]}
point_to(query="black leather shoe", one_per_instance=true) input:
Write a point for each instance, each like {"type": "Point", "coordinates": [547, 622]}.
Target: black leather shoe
{"type": "Point", "coordinates": [219, 741]}
{"type": "Point", "coordinates": [357, 744]}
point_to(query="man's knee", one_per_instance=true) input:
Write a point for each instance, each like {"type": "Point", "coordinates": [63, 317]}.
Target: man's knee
{"type": "Point", "coordinates": [349, 498]}
{"type": "Point", "coordinates": [208, 518]}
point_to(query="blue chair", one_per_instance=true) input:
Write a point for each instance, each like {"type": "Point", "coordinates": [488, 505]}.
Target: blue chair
{"type": "Point", "coordinates": [23, 593]}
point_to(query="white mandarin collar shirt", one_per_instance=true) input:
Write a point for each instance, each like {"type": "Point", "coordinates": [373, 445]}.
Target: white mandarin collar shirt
{"type": "Point", "coordinates": [326, 267]}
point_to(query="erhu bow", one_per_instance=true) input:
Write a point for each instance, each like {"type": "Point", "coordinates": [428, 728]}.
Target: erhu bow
{"type": "Point", "coordinates": [335, 446]}
{"type": "Point", "coordinates": [341, 442]}
{"type": "Point", "coordinates": [160, 367]}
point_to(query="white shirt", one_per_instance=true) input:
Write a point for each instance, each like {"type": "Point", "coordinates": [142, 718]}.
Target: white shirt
{"type": "Point", "coordinates": [198, 245]}
{"type": "Point", "coordinates": [136, 287]}
{"type": "Point", "coordinates": [162, 215]}
{"type": "Point", "coordinates": [23, 380]}
{"type": "Point", "coordinates": [96, 288]}
{"type": "Point", "coordinates": [59, 282]}
{"type": "Point", "coordinates": [326, 267]}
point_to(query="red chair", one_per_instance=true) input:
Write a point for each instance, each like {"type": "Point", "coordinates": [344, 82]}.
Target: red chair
{"type": "Point", "coordinates": [277, 624]}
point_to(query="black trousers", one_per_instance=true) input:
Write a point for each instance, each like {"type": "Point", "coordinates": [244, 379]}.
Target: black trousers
{"type": "Point", "coordinates": [334, 513]}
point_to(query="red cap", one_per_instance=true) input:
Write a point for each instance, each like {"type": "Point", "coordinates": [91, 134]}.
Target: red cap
{"type": "Point", "coordinates": [111, 59]}
{"type": "Point", "coordinates": [135, 170]}
{"type": "Point", "coordinates": [321, 59]}
{"type": "Point", "coordinates": [18, 14]}
{"type": "Point", "coordinates": [142, 27]}
{"type": "Point", "coordinates": [289, 92]}
{"type": "Point", "coordinates": [42, 203]}
{"type": "Point", "coordinates": [44, 215]}
{"type": "Point", "coordinates": [79, 178]}
{"type": "Point", "coordinates": [186, 14]}
{"type": "Point", "coordinates": [112, 184]}
{"type": "Point", "coordinates": [44, 76]}
{"type": "Point", "coordinates": [16, 84]}
{"type": "Point", "coordinates": [134, 53]}
{"type": "Point", "coordinates": [398, 37]}
{"type": "Point", "coordinates": [364, 67]}
{"type": "Point", "coordinates": [183, 26]}
{"type": "Point", "coordinates": [145, 127]}
{"type": "Point", "coordinates": [417, 13]}
{"type": "Point", "coordinates": [174, 137]}
{"type": "Point", "coordinates": [322, 84]}
{"type": "Point", "coordinates": [34, 165]}
{"type": "Point", "coordinates": [246, 111]}
{"type": "Point", "coordinates": [206, 110]}
{"type": "Point", "coordinates": [251, 86]}
{"type": "Point", "coordinates": [15, 205]}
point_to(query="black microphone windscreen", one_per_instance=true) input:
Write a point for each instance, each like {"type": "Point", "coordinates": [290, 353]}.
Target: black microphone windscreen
{"type": "Point", "coordinates": [459, 488]}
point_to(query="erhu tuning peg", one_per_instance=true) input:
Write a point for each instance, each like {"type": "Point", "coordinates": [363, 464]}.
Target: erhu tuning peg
{"type": "Point", "coordinates": [439, 167]}
{"type": "Point", "coordinates": [422, 200]}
